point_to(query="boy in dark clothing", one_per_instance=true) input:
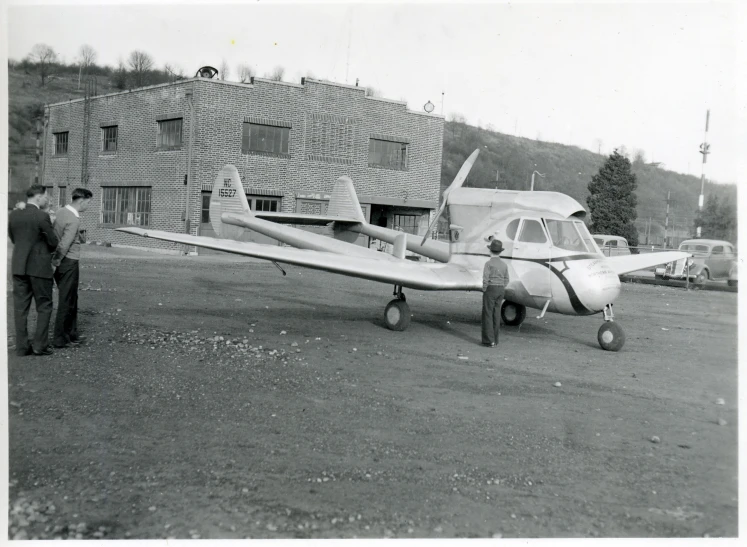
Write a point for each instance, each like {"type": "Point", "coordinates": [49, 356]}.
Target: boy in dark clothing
{"type": "Point", "coordinates": [494, 281]}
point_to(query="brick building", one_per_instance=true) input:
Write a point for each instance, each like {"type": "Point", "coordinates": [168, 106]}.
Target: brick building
{"type": "Point", "coordinates": [150, 155]}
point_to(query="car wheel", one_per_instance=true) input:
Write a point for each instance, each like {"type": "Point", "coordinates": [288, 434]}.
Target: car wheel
{"type": "Point", "coordinates": [701, 278]}
{"type": "Point", "coordinates": [611, 336]}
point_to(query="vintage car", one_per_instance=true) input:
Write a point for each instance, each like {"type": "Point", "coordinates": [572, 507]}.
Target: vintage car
{"type": "Point", "coordinates": [612, 245]}
{"type": "Point", "coordinates": [712, 259]}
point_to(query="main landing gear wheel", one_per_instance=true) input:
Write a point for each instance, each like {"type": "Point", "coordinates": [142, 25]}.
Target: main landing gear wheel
{"type": "Point", "coordinates": [397, 312]}
{"type": "Point", "coordinates": [513, 314]}
{"type": "Point", "coordinates": [700, 279]}
{"type": "Point", "coordinates": [397, 315]}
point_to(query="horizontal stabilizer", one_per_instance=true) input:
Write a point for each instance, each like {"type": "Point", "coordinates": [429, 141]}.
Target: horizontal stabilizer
{"type": "Point", "coordinates": [398, 272]}
{"type": "Point", "coordinates": [303, 219]}
{"type": "Point", "coordinates": [633, 263]}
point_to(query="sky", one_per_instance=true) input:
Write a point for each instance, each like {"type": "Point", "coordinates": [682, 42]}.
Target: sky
{"type": "Point", "coordinates": [597, 75]}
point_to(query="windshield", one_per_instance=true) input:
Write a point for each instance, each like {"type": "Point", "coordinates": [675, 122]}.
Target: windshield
{"type": "Point", "coordinates": [565, 235]}
{"type": "Point", "coordinates": [692, 247]}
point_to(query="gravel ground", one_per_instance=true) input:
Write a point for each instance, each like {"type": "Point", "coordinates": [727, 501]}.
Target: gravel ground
{"type": "Point", "coordinates": [216, 398]}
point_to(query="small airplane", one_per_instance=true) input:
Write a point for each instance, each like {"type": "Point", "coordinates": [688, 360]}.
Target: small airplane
{"type": "Point", "coordinates": [554, 264]}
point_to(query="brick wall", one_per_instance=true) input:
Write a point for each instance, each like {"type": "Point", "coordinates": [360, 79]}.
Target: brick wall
{"type": "Point", "coordinates": [220, 109]}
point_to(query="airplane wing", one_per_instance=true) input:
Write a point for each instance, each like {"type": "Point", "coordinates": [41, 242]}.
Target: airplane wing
{"type": "Point", "coordinates": [407, 273]}
{"type": "Point", "coordinates": [632, 263]}
{"type": "Point", "coordinates": [300, 218]}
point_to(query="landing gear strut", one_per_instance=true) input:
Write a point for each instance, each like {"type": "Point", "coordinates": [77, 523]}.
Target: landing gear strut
{"type": "Point", "coordinates": [397, 312]}
{"type": "Point", "coordinates": [611, 335]}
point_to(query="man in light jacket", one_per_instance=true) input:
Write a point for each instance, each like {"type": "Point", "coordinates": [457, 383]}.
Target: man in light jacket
{"type": "Point", "coordinates": [494, 281]}
{"type": "Point", "coordinates": [67, 275]}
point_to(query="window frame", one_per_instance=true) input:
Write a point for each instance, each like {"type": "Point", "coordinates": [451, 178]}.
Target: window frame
{"type": "Point", "coordinates": [253, 133]}
{"type": "Point", "coordinates": [397, 225]}
{"type": "Point", "coordinates": [126, 200]}
{"type": "Point", "coordinates": [105, 140]}
{"type": "Point", "coordinates": [160, 125]}
{"type": "Point", "coordinates": [542, 230]}
{"type": "Point", "coordinates": [61, 196]}
{"type": "Point", "coordinates": [56, 143]}
{"type": "Point", "coordinates": [402, 164]}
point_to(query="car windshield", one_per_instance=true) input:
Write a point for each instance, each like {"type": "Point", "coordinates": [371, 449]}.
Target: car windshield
{"type": "Point", "coordinates": [566, 234]}
{"type": "Point", "coordinates": [692, 247]}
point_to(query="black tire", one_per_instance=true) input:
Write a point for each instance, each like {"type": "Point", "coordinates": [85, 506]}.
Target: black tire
{"type": "Point", "coordinates": [397, 315]}
{"type": "Point", "coordinates": [513, 314]}
{"type": "Point", "coordinates": [611, 336]}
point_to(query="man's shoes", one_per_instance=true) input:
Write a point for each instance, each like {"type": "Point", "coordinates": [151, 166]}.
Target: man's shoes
{"type": "Point", "coordinates": [61, 346]}
{"type": "Point", "coordinates": [488, 345]}
{"type": "Point", "coordinates": [23, 353]}
{"type": "Point", "coordinates": [77, 340]}
{"type": "Point", "coordinates": [45, 351]}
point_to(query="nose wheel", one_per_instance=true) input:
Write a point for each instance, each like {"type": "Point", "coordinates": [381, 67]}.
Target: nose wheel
{"type": "Point", "coordinates": [397, 312]}
{"type": "Point", "coordinates": [611, 335]}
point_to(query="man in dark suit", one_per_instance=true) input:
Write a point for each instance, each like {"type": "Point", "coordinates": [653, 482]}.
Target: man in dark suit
{"type": "Point", "coordinates": [34, 240]}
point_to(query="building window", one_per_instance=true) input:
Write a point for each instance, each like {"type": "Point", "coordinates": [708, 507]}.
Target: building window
{"type": "Point", "coordinates": [109, 139]}
{"type": "Point", "coordinates": [62, 197]}
{"type": "Point", "coordinates": [265, 204]}
{"type": "Point", "coordinates": [406, 223]}
{"type": "Point", "coordinates": [392, 155]}
{"type": "Point", "coordinates": [125, 205]}
{"type": "Point", "coordinates": [264, 138]}
{"type": "Point", "coordinates": [205, 208]}
{"type": "Point", "coordinates": [169, 134]}
{"type": "Point", "coordinates": [60, 143]}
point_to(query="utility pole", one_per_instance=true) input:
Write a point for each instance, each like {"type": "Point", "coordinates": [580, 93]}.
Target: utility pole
{"type": "Point", "coordinates": [38, 150]}
{"type": "Point", "coordinates": [670, 201]}
{"type": "Point", "coordinates": [705, 150]}
{"type": "Point", "coordinates": [442, 103]}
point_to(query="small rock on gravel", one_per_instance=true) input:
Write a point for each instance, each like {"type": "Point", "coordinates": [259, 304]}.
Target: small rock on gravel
{"type": "Point", "coordinates": [655, 439]}
{"type": "Point", "coordinates": [557, 384]}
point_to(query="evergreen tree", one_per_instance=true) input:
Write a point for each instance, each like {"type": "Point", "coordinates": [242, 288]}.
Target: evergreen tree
{"type": "Point", "coordinates": [612, 200]}
{"type": "Point", "coordinates": [718, 220]}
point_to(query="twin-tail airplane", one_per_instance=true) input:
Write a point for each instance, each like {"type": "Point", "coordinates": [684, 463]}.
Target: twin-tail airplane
{"type": "Point", "coordinates": [553, 262]}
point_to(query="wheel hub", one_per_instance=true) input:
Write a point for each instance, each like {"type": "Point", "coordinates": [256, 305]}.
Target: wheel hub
{"type": "Point", "coordinates": [607, 337]}
{"type": "Point", "coordinates": [393, 315]}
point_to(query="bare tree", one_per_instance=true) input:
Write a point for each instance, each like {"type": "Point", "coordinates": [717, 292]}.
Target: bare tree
{"type": "Point", "coordinates": [224, 71]}
{"type": "Point", "coordinates": [87, 57]}
{"type": "Point", "coordinates": [43, 56]}
{"type": "Point", "coordinates": [119, 77]}
{"type": "Point", "coordinates": [457, 118]}
{"type": "Point", "coordinates": [639, 156]}
{"type": "Point", "coordinates": [372, 92]}
{"type": "Point", "coordinates": [175, 72]}
{"type": "Point", "coordinates": [245, 73]}
{"type": "Point", "coordinates": [140, 64]}
{"type": "Point", "coordinates": [277, 74]}
{"type": "Point", "coordinates": [599, 142]}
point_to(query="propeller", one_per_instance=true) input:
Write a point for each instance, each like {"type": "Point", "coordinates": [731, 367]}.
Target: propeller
{"type": "Point", "coordinates": [458, 181]}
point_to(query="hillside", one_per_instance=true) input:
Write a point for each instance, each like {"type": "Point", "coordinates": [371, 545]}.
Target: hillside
{"type": "Point", "coordinates": [568, 169]}
{"type": "Point", "coordinates": [507, 162]}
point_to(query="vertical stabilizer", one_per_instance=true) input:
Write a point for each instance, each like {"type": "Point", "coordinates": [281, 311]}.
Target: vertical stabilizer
{"type": "Point", "coordinates": [228, 197]}
{"type": "Point", "coordinates": [344, 201]}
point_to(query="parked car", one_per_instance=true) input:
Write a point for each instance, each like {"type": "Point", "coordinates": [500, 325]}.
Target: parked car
{"type": "Point", "coordinates": [612, 245]}
{"type": "Point", "coordinates": [712, 259]}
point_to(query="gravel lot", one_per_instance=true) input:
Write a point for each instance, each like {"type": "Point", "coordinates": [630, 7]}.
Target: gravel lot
{"type": "Point", "coordinates": [216, 398]}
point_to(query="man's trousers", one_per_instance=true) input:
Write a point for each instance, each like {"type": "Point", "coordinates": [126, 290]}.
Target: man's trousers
{"type": "Point", "coordinates": [66, 276]}
{"type": "Point", "coordinates": [26, 287]}
{"type": "Point", "coordinates": [491, 313]}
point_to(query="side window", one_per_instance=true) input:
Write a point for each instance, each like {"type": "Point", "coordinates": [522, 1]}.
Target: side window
{"type": "Point", "coordinates": [718, 250]}
{"type": "Point", "coordinates": [622, 244]}
{"type": "Point", "coordinates": [511, 228]}
{"type": "Point", "coordinates": [612, 243]}
{"type": "Point", "coordinates": [532, 232]}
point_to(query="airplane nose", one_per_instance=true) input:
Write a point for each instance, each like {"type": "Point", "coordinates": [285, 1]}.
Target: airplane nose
{"type": "Point", "coordinates": [602, 288]}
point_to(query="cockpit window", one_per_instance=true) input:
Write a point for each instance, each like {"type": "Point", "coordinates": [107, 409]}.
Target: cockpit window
{"type": "Point", "coordinates": [532, 232]}
{"type": "Point", "coordinates": [565, 235]}
{"type": "Point", "coordinates": [511, 228]}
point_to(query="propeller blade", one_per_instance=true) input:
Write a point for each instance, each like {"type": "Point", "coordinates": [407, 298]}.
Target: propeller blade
{"type": "Point", "coordinates": [457, 183]}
